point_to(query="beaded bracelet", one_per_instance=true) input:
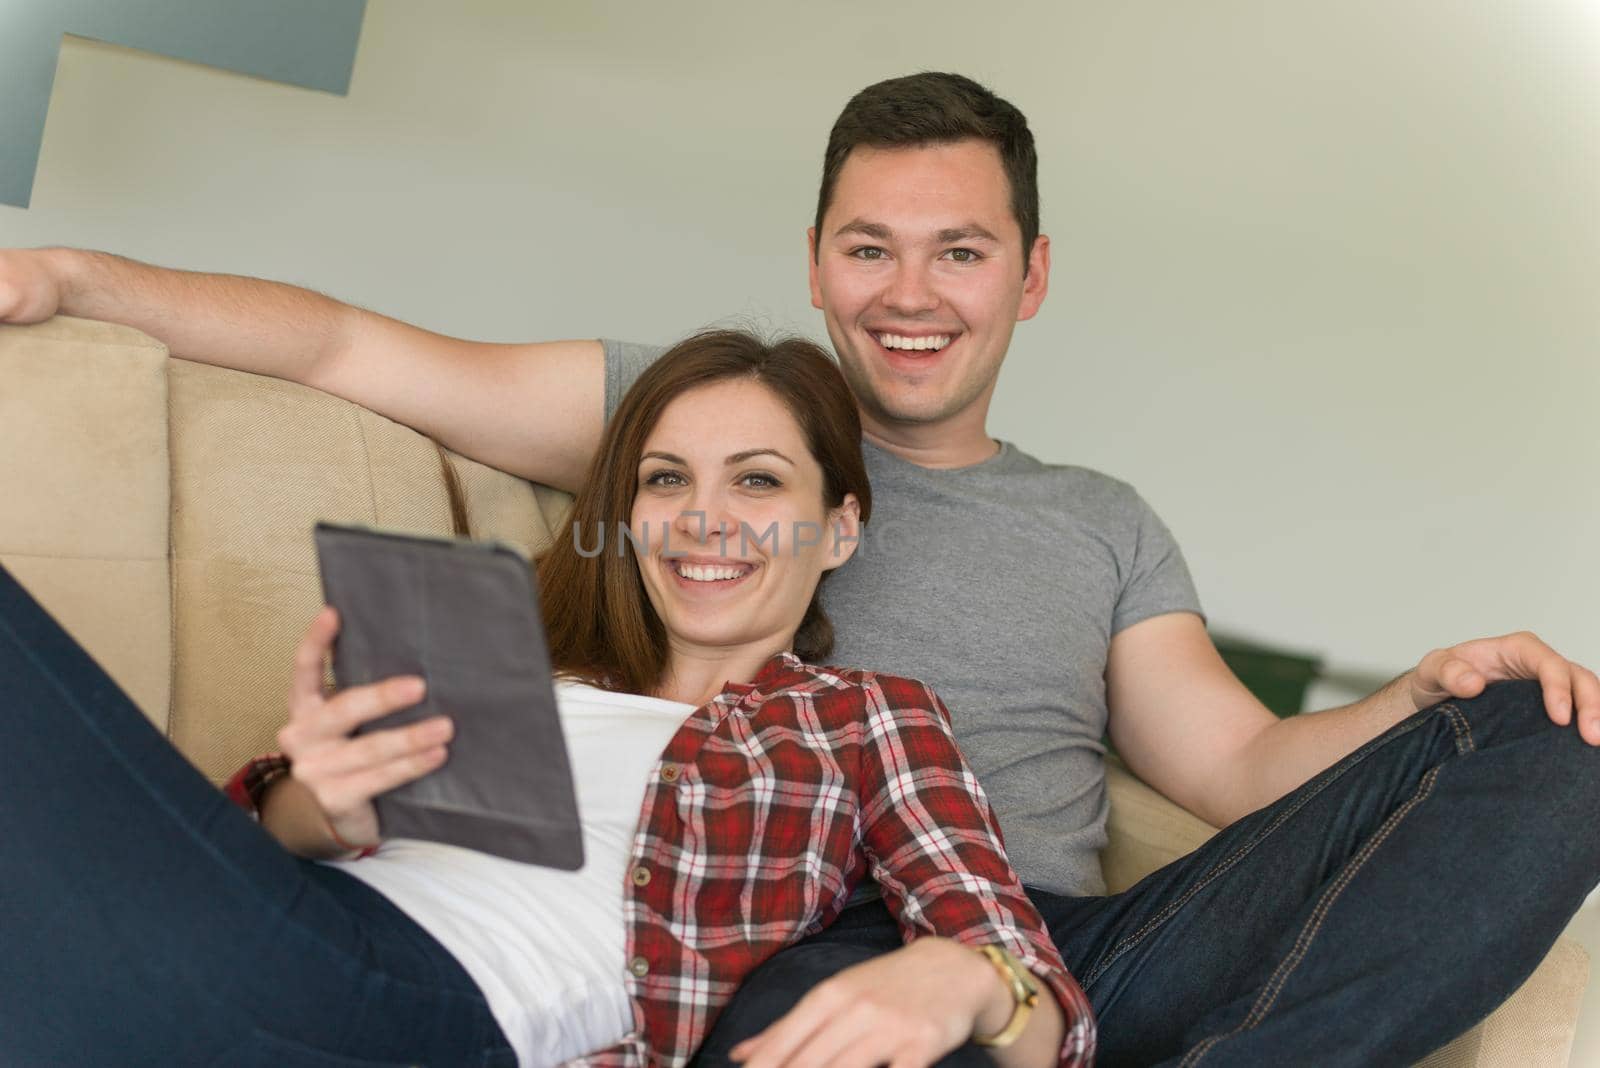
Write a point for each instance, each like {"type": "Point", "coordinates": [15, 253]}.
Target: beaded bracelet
{"type": "Point", "coordinates": [360, 851]}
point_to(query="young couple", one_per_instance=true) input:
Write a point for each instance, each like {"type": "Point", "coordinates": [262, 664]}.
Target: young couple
{"type": "Point", "coordinates": [1356, 908]}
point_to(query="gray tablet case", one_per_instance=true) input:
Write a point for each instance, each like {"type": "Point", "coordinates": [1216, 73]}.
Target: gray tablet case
{"type": "Point", "coordinates": [464, 615]}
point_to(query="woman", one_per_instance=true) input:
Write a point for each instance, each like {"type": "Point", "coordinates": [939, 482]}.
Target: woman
{"type": "Point", "coordinates": [733, 798]}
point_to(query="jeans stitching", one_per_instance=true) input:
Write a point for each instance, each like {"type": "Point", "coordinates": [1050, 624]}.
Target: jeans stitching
{"type": "Point", "coordinates": [1222, 866]}
{"type": "Point", "coordinates": [1280, 977]}
{"type": "Point", "coordinates": [1463, 728]}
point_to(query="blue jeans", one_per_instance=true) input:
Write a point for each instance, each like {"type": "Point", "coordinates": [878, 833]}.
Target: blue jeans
{"type": "Point", "coordinates": [147, 920]}
{"type": "Point", "coordinates": [1366, 918]}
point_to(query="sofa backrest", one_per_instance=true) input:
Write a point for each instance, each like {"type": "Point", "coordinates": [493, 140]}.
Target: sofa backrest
{"type": "Point", "coordinates": [209, 481]}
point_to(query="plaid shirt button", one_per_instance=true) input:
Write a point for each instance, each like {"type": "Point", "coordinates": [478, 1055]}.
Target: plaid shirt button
{"type": "Point", "coordinates": [639, 967]}
{"type": "Point", "coordinates": [641, 876]}
{"type": "Point", "coordinates": [669, 773]}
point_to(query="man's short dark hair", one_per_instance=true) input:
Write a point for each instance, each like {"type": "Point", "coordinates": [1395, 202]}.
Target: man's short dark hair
{"type": "Point", "coordinates": [937, 108]}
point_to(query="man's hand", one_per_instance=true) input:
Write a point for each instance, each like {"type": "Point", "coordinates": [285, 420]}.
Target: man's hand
{"type": "Point", "coordinates": [1464, 670]}
{"type": "Point", "coordinates": [30, 288]}
{"type": "Point", "coordinates": [905, 1009]}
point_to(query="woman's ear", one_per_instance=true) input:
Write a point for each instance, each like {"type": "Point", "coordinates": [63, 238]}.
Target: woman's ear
{"type": "Point", "coordinates": [844, 523]}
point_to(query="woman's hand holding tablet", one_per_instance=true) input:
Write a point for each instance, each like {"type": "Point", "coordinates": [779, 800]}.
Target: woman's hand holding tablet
{"type": "Point", "coordinates": [464, 617]}
{"type": "Point", "coordinates": [341, 770]}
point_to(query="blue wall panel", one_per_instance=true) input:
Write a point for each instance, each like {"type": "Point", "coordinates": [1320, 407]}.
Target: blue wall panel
{"type": "Point", "coordinates": [301, 42]}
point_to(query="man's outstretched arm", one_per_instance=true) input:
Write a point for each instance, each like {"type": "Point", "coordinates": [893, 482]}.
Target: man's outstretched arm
{"type": "Point", "coordinates": [535, 410]}
{"type": "Point", "coordinates": [1184, 724]}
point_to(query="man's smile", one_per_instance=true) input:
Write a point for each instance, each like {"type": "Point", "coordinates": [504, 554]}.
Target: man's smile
{"type": "Point", "coordinates": [916, 342]}
{"type": "Point", "coordinates": [905, 351]}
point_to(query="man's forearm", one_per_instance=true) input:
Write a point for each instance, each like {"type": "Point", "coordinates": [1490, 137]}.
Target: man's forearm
{"type": "Point", "coordinates": [244, 323]}
{"type": "Point", "coordinates": [1291, 751]}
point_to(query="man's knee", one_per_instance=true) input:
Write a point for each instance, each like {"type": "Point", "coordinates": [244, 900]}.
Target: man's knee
{"type": "Point", "coordinates": [1515, 698]}
{"type": "Point", "coordinates": [1558, 771]}
{"type": "Point", "coordinates": [1514, 710]}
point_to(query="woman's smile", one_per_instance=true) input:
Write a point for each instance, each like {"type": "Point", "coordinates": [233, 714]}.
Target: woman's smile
{"type": "Point", "coordinates": [699, 576]}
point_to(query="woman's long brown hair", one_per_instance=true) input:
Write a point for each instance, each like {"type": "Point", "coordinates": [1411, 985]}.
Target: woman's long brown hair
{"type": "Point", "coordinates": [598, 619]}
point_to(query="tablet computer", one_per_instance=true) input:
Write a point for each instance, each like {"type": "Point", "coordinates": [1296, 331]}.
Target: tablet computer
{"type": "Point", "coordinates": [465, 616]}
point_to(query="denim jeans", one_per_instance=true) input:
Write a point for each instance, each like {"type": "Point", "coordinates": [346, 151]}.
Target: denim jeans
{"type": "Point", "coordinates": [1366, 918]}
{"type": "Point", "coordinates": [147, 920]}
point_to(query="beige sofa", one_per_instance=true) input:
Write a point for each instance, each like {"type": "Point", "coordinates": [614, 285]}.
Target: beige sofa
{"type": "Point", "coordinates": [161, 510]}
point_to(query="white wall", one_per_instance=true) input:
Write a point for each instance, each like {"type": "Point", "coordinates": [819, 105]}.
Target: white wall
{"type": "Point", "coordinates": [1325, 274]}
{"type": "Point", "coordinates": [1324, 282]}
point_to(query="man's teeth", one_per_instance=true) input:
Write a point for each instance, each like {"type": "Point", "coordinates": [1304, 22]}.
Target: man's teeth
{"type": "Point", "coordinates": [708, 574]}
{"type": "Point", "coordinates": [895, 341]}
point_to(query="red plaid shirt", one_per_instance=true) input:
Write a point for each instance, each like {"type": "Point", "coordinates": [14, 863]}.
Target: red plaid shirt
{"type": "Point", "coordinates": [769, 806]}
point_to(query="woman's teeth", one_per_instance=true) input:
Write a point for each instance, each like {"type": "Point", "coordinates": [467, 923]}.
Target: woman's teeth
{"type": "Point", "coordinates": [709, 574]}
{"type": "Point", "coordinates": [895, 341]}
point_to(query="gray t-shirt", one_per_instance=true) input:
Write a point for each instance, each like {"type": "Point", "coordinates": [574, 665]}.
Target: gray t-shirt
{"type": "Point", "coordinates": [1000, 585]}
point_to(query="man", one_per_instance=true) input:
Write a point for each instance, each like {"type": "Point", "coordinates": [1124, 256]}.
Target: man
{"type": "Point", "coordinates": [1356, 908]}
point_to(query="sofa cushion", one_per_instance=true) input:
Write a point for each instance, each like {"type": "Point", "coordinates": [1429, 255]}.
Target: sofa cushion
{"type": "Point", "coordinates": [1536, 1026]}
{"type": "Point", "coordinates": [1144, 830]}
{"type": "Point", "coordinates": [83, 523]}
{"type": "Point", "coordinates": [256, 462]}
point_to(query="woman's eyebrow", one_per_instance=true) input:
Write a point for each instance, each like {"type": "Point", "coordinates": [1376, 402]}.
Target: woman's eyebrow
{"type": "Point", "coordinates": [741, 457]}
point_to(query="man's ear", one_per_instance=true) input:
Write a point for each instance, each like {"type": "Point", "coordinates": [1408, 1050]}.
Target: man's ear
{"type": "Point", "coordinates": [845, 523]}
{"type": "Point", "coordinates": [811, 263]}
{"type": "Point", "coordinates": [1037, 281]}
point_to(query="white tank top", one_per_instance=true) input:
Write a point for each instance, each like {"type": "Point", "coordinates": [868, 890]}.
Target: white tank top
{"type": "Point", "coordinates": [545, 946]}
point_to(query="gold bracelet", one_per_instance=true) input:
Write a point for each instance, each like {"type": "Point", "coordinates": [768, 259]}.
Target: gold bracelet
{"type": "Point", "coordinates": [1024, 989]}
